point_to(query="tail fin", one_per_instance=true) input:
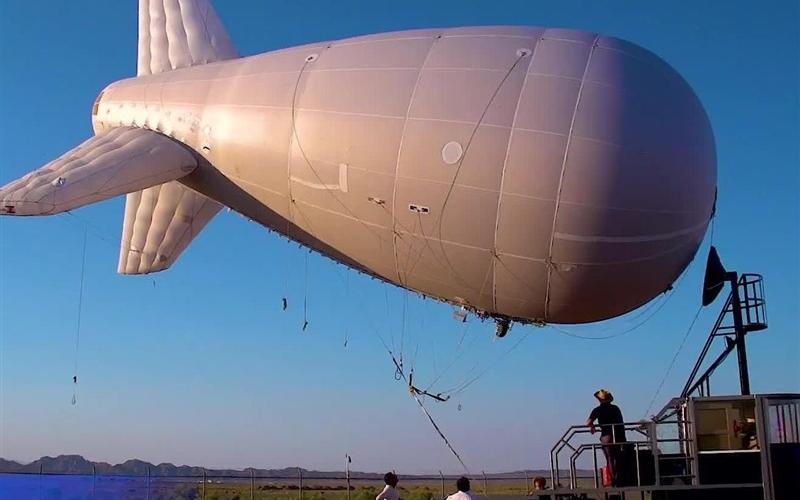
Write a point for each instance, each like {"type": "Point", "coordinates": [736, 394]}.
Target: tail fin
{"type": "Point", "coordinates": [161, 221]}
{"type": "Point", "coordinates": [118, 161]}
{"type": "Point", "coordinates": [162, 216]}
{"type": "Point", "coordinates": [180, 33]}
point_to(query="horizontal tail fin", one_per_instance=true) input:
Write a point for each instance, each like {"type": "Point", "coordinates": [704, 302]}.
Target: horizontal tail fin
{"type": "Point", "coordinates": [115, 162]}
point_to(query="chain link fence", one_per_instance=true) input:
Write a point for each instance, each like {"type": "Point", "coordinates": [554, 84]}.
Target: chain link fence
{"type": "Point", "coordinates": [305, 485]}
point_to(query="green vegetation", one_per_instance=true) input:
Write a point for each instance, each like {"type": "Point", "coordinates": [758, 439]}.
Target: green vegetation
{"type": "Point", "coordinates": [414, 490]}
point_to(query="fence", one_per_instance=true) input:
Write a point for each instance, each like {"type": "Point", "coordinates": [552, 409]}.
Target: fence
{"type": "Point", "coordinates": [250, 486]}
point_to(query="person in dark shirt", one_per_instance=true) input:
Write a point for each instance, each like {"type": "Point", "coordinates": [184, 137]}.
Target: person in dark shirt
{"type": "Point", "coordinates": [609, 418]}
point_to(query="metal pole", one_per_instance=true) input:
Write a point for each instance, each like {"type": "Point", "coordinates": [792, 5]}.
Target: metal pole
{"type": "Point", "coordinates": [300, 475]}
{"type": "Point", "coordinates": [653, 433]}
{"type": "Point", "coordinates": [557, 475]}
{"type": "Point", "coordinates": [347, 474]}
{"type": "Point", "coordinates": [94, 477]}
{"type": "Point", "coordinates": [442, 478]}
{"type": "Point", "coordinates": [527, 488]}
{"type": "Point", "coordinates": [485, 491]}
{"type": "Point", "coordinates": [252, 483]}
{"type": "Point", "coordinates": [594, 464]}
{"type": "Point", "coordinates": [148, 482]}
{"type": "Point", "coordinates": [741, 352]}
{"type": "Point", "coordinates": [204, 484]}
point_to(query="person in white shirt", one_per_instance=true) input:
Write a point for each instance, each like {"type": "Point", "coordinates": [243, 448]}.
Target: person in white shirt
{"type": "Point", "coordinates": [463, 490]}
{"type": "Point", "coordinates": [389, 491]}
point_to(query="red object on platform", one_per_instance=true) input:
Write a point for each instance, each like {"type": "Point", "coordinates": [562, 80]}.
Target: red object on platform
{"type": "Point", "coordinates": [605, 476]}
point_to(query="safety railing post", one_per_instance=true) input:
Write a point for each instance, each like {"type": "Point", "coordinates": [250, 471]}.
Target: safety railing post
{"type": "Point", "coordinates": [652, 432]}
{"type": "Point", "coordinates": [204, 484]}
{"type": "Point", "coordinates": [94, 479]}
{"type": "Point", "coordinates": [441, 476]}
{"type": "Point", "coordinates": [148, 482]}
{"type": "Point", "coordinates": [527, 488]}
{"type": "Point", "coordinates": [556, 472]}
{"type": "Point", "coordinates": [594, 468]}
{"type": "Point", "coordinates": [485, 490]}
{"type": "Point", "coordinates": [252, 484]}
{"type": "Point", "coordinates": [573, 481]}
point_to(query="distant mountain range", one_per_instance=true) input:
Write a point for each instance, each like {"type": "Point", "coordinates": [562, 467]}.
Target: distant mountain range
{"type": "Point", "coordinates": [76, 464]}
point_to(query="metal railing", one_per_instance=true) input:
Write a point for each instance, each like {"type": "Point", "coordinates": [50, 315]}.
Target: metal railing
{"type": "Point", "coordinates": [649, 441]}
{"type": "Point", "coordinates": [749, 303]}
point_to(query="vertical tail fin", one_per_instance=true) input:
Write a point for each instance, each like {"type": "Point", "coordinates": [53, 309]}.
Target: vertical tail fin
{"type": "Point", "coordinates": [161, 221]}
{"type": "Point", "coordinates": [180, 33]}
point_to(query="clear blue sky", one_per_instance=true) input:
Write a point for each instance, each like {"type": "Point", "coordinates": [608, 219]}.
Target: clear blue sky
{"type": "Point", "coordinates": [199, 365]}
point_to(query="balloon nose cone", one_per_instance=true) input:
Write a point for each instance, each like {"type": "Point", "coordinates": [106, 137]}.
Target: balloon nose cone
{"type": "Point", "coordinates": [637, 185]}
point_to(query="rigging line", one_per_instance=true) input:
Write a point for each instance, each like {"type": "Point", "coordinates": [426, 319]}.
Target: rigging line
{"type": "Point", "coordinates": [549, 262]}
{"type": "Point", "coordinates": [78, 323]}
{"type": "Point", "coordinates": [345, 280]}
{"type": "Point", "coordinates": [674, 359]}
{"type": "Point", "coordinates": [287, 266]}
{"type": "Point", "coordinates": [406, 268]}
{"type": "Point", "coordinates": [414, 360]}
{"type": "Point", "coordinates": [447, 263]}
{"type": "Point", "coordinates": [463, 157]}
{"type": "Point", "coordinates": [427, 245]}
{"type": "Point", "coordinates": [480, 375]}
{"type": "Point", "coordinates": [400, 375]}
{"type": "Point", "coordinates": [683, 340]}
{"type": "Point", "coordinates": [305, 295]}
{"type": "Point", "coordinates": [113, 241]}
{"type": "Point", "coordinates": [458, 353]}
{"type": "Point", "coordinates": [403, 326]}
{"type": "Point", "coordinates": [415, 395]}
{"type": "Point", "coordinates": [99, 232]}
{"type": "Point", "coordinates": [441, 434]}
{"type": "Point", "coordinates": [620, 333]}
{"type": "Point", "coordinates": [468, 373]}
{"type": "Point", "coordinates": [391, 330]}
{"type": "Point", "coordinates": [308, 162]}
{"type": "Point", "coordinates": [524, 283]}
{"type": "Point", "coordinates": [305, 219]}
{"type": "Point", "coordinates": [658, 302]}
{"type": "Point", "coordinates": [347, 300]}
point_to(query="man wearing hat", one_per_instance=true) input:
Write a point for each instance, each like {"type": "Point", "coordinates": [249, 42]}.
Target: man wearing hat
{"type": "Point", "coordinates": [609, 418]}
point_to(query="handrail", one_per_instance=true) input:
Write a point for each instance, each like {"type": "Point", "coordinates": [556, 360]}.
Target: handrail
{"type": "Point", "coordinates": [750, 306]}
{"type": "Point", "coordinates": [646, 429]}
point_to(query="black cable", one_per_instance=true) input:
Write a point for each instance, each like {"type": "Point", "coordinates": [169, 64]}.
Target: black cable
{"type": "Point", "coordinates": [674, 359]}
{"type": "Point", "coordinates": [78, 323]}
